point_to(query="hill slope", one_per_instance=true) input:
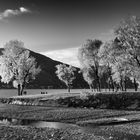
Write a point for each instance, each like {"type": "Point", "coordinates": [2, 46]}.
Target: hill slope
{"type": "Point", "coordinates": [47, 77]}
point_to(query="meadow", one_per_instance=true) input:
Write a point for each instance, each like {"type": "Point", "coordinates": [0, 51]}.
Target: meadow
{"type": "Point", "coordinates": [59, 110]}
{"type": "Point", "coordinates": [13, 92]}
{"type": "Point", "coordinates": [90, 124]}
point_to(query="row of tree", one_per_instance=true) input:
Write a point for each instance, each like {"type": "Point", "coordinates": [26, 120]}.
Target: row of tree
{"type": "Point", "coordinates": [118, 58]}
{"type": "Point", "coordinates": [117, 61]}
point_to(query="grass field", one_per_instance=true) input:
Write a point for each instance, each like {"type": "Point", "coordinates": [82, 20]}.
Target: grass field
{"type": "Point", "coordinates": [78, 116]}
{"type": "Point", "coordinates": [90, 123]}
{"type": "Point", "coordinates": [13, 92]}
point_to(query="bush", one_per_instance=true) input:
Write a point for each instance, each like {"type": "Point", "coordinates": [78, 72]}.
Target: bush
{"type": "Point", "coordinates": [85, 95]}
{"type": "Point", "coordinates": [121, 100]}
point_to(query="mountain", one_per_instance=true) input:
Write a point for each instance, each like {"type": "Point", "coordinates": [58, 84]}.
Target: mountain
{"type": "Point", "coordinates": [47, 77]}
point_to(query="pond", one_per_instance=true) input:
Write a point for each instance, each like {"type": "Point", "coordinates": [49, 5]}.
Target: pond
{"type": "Point", "coordinates": [91, 129]}
{"type": "Point", "coordinates": [36, 123]}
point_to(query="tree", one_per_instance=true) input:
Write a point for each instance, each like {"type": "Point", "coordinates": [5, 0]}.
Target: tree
{"type": "Point", "coordinates": [107, 60]}
{"type": "Point", "coordinates": [17, 66]}
{"type": "Point", "coordinates": [113, 56]}
{"type": "Point", "coordinates": [120, 74]}
{"type": "Point", "coordinates": [88, 76]}
{"type": "Point", "coordinates": [65, 74]}
{"type": "Point", "coordinates": [116, 64]}
{"type": "Point", "coordinates": [89, 58]}
{"type": "Point", "coordinates": [128, 34]}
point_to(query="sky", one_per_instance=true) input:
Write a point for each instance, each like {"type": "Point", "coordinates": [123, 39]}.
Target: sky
{"type": "Point", "coordinates": [57, 28]}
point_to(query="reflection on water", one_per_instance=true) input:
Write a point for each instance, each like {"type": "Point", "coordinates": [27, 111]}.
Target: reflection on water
{"type": "Point", "coordinates": [36, 123]}
{"type": "Point", "coordinates": [56, 125]}
{"type": "Point", "coordinates": [96, 130]}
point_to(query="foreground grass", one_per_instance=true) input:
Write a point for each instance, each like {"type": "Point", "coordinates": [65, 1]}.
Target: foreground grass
{"type": "Point", "coordinates": [130, 131]}
{"type": "Point", "coordinates": [101, 121]}
{"type": "Point", "coordinates": [69, 115]}
{"type": "Point", "coordinates": [31, 133]}
{"type": "Point", "coordinates": [59, 114]}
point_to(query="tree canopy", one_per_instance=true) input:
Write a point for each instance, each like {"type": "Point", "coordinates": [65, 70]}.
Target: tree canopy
{"type": "Point", "coordinates": [89, 58]}
{"type": "Point", "coordinates": [66, 74]}
{"type": "Point", "coordinates": [17, 66]}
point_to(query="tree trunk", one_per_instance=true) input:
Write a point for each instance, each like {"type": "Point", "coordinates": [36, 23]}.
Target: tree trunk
{"type": "Point", "coordinates": [22, 89]}
{"type": "Point", "coordinates": [91, 88]}
{"type": "Point", "coordinates": [125, 84]}
{"type": "Point", "coordinates": [18, 89]}
{"type": "Point", "coordinates": [112, 84]}
{"type": "Point", "coordinates": [98, 84]}
{"type": "Point", "coordinates": [121, 84]}
{"type": "Point", "coordinates": [117, 86]}
{"type": "Point", "coordinates": [135, 85]}
{"type": "Point", "coordinates": [94, 86]}
{"type": "Point", "coordinates": [108, 85]}
{"type": "Point", "coordinates": [113, 87]}
{"type": "Point", "coordinates": [68, 88]}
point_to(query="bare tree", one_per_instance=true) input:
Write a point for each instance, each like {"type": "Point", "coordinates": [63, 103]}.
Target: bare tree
{"type": "Point", "coordinates": [128, 34]}
{"type": "Point", "coordinates": [17, 65]}
{"type": "Point", "coordinates": [89, 77]}
{"type": "Point", "coordinates": [89, 58]}
{"type": "Point", "coordinates": [107, 60]}
{"type": "Point", "coordinates": [114, 58]}
{"type": "Point", "coordinates": [66, 74]}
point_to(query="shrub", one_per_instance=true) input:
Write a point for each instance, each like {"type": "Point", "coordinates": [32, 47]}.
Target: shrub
{"type": "Point", "coordinates": [84, 95]}
{"type": "Point", "coordinates": [120, 100]}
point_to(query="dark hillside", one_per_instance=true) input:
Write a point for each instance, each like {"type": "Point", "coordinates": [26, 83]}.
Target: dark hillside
{"type": "Point", "coordinates": [47, 77]}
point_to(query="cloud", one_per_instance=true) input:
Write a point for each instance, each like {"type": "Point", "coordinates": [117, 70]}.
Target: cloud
{"type": "Point", "coordinates": [24, 10]}
{"type": "Point", "coordinates": [68, 56]}
{"type": "Point", "coordinates": [11, 13]}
